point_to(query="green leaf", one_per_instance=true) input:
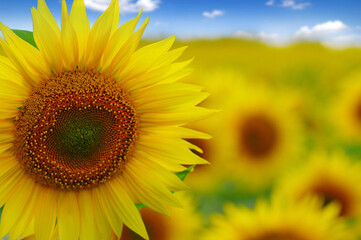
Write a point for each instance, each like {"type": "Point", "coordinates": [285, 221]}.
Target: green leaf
{"type": "Point", "coordinates": [182, 176]}
{"type": "Point", "coordinates": [26, 36]}
{"type": "Point", "coordinates": [140, 206]}
{"type": "Point", "coordinates": [1, 211]}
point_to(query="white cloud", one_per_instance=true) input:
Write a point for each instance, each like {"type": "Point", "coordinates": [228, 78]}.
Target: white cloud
{"type": "Point", "coordinates": [267, 36]}
{"type": "Point", "coordinates": [258, 36]}
{"type": "Point", "coordinates": [270, 3]}
{"type": "Point", "coordinates": [320, 29]}
{"type": "Point", "coordinates": [124, 5]}
{"type": "Point", "coordinates": [344, 41]}
{"type": "Point", "coordinates": [244, 35]}
{"type": "Point", "coordinates": [213, 14]}
{"type": "Point", "coordinates": [293, 4]}
{"type": "Point", "coordinates": [358, 27]}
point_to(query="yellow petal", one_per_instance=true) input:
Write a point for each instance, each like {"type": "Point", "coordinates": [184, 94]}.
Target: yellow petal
{"type": "Point", "coordinates": [177, 71]}
{"type": "Point", "coordinates": [6, 138]}
{"type": "Point", "coordinates": [5, 147]}
{"type": "Point", "coordinates": [144, 196]}
{"type": "Point", "coordinates": [27, 213]}
{"type": "Point", "coordinates": [165, 74]}
{"type": "Point", "coordinates": [9, 180]}
{"type": "Point", "coordinates": [174, 118]}
{"type": "Point", "coordinates": [101, 222]}
{"type": "Point", "coordinates": [99, 36]}
{"type": "Point", "coordinates": [117, 40]}
{"type": "Point", "coordinates": [168, 97]}
{"type": "Point", "coordinates": [48, 41]}
{"type": "Point", "coordinates": [16, 205]}
{"type": "Point", "coordinates": [45, 214]}
{"type": "Point", "coordinates": [2, 53]}
{"type": "Point", "coordinates": [169, 179]}
{"type": "Point", "coordinates": [149, 181]}
{"type": "Point", "coordinates": [106, 200]}
{"type": "Point", "coordinates": [22, 55]}
{"type": "Point", "coordinates": [88, 228]}
{"type": "Point", "coordinates": [176, 132]}
{"type": "Point", "coordinates": [169, 57]}
{"type": "Point", "coordinates": [79, 21]}
{"type": "Point", "coordinates": [11, 81]}
{"type": "Point", "coordinates": [6, 126]}
{"type": "Point", "coordinates": [45, 12]}
{"type": "Point", "coordinates": [125, 51]}
{"type": "Point", "coordinates": [28, 234]}
{"type": "Point", "coordinates": [125, 207]}
{"type": "Point", "coordinates": [69, 40]}
{"type": "Point", "coordinates": [68, 216]}
{"type": "Point", "coordinates": [174, 150]}
{"type": "Point", "coordinates": [145, 57]}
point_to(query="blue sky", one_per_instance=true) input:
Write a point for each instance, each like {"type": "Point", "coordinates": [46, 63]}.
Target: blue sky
{"type": "Point", "coordinates": [333, 22]}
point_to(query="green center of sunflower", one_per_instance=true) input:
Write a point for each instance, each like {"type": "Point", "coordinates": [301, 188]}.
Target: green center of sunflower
{"type": "Point", "coordinates": [258, 136]}
{"type": "Point", "coordinates": [80, 136]}
{"type": "Point", "coordinates": [76, 130]}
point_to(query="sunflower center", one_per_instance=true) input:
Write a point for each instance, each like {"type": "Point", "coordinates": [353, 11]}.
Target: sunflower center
{"type": "Point", "coordinates": [258, 136]}
{"type": "Point", "coordinates": [358, 112]}
{"type": "Point", "coordinates": [279, 236]}
{"type": "Point", "coordinates": [330, 193]}
{"type": "Point", "coordinates": [76, 130]}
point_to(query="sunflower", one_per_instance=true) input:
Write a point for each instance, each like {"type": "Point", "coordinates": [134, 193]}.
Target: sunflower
{"type": "Point", "coordinates": [348, 105]}
{"type": "Point", "coordinates": [216, 82]}
{"type": "Point", "coordinates": [90, 126]}
{"type": "Point", "coordinates": [260, 135]}
{"type": "Point", "coordinates": [278, 220]}
{"type": "Point", "coordinates": [184, 223]}
{"type": "Point", "coordinates": [331, 178]}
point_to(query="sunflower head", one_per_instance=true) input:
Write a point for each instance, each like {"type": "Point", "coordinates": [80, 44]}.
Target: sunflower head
{"type": "Point", "coordinates": [90, 125]}
{"type": "Point", "coordinates": [261, 134]}
{"type": "Point", "coordinates": [278, 220]}
{"type": "Point", "coordinates": [329, 177]}
{"type": "Point", "coordinates": [348, 105]}
{"type": "Point", "coordinates": [76, 130]}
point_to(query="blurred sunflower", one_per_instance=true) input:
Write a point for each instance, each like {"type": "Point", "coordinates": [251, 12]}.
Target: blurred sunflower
{"type": "Point", "coordinates": [260, 135]}
{"type": "Point", "coordinates": [89, 126]}
{"type": "Point", "coordinates": [347, 109]}
{"type": "Point", "coordinates": [278, 220]}
{"type": "Point", "coordinates": [184, 223]}
{"type": "Point", "coordinates": [331, 178]}
{"type": "Point", "coordinates": [216, 82]}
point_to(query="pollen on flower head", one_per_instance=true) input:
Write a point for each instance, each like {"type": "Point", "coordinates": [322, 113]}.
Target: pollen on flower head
{"type": "Point", "coordinates": [76, 130]}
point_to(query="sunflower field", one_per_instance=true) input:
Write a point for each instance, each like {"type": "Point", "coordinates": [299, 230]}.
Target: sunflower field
{"type": "Point", "coordinates": [107, 136]}
{"type": "Point", "coordinates": [286, 144]}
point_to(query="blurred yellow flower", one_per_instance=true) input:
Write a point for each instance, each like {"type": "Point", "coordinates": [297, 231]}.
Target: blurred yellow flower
{"type": "Point", "coordinates": [258, 136]}
{"type": "Point", "coordinates": [278, 220]}
{"type": "Point", "coordinates": [332, 178]}
{"type": "Point", "coordinates": [346, 114]}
